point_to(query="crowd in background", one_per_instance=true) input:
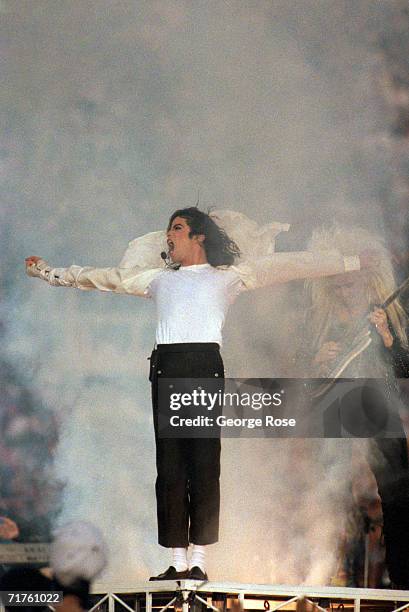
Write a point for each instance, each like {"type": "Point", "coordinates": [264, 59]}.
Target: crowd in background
{"type": "Point", "coordinates": [29, 493]}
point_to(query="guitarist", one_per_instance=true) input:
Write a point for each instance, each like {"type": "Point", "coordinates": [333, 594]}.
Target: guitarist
{"type": "Point", "coordinates": [340, 347]}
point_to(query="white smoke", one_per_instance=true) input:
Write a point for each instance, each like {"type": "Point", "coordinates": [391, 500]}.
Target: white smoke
{"type": "Point", "coordinates": [120, 112]}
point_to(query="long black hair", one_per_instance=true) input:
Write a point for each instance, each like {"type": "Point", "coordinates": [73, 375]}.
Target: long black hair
{"type": "Point", "coordinates": [220, 249]}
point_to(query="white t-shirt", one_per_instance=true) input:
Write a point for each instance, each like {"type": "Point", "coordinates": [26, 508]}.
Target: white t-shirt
{"type": "Point", "coordinates": [192, 302]}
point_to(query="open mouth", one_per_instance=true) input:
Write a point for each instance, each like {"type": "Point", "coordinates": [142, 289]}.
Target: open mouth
{"type": "Point", "coordinates": [171, 246]}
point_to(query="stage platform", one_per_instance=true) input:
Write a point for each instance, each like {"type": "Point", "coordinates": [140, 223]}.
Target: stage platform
{"type": "Point", "coordinates": [224, 596]}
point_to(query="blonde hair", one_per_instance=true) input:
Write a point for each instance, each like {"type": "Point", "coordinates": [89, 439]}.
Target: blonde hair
{"type": "Point", "coordinates": [379, 281]}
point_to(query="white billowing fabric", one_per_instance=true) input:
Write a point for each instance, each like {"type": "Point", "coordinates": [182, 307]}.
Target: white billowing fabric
{"type": "Point", "coordinates": [253, 240]}
{"type": "Point", "coordinates": [256, 272]}
{"type": "Point", "coordinates": [144, 252]}
{"type": "Point", "coordinates": [192, 302]}
{"type": "Point", "coordinates": [264, 271]}
{"type": "Point", "coordinates": [78, 551]}
{"type": "Point", "coordinates": [132, 281]}
{"type": "Point", "coordinates": [259, 265]}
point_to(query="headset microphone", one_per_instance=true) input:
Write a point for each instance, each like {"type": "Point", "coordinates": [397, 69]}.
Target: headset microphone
{"type": "Point", "coordinates": [168, 262]}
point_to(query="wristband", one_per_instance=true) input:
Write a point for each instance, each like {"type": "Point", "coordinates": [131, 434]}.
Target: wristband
{"type": "Point", "coordinates": [352, 263]}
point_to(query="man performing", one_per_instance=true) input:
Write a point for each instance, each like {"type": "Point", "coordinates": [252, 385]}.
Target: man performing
{"type": "Point", "coordinates": [337, 304]}
{"type": "Point", "coordinates": [192, 297]}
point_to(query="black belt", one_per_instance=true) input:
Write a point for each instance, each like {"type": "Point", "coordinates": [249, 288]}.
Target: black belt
{"type": "Point", "coordinates": [185, 347]}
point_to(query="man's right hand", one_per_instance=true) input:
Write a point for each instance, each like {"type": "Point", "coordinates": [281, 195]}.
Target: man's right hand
{"type": "Point", "coordinates": [30, 261]}
{"type": "Point", "coordinates": [37, 267]}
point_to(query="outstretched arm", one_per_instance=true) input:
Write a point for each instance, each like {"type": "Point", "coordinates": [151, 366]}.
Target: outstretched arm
{"type": "Point", "coordinates": [134, 281]}
{"type": "Point", "coordinates": [283, 267]}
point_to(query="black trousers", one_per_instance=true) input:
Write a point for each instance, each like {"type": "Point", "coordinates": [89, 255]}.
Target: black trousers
{"type": "Point", "coordinates": [389, 463]}
{"type": "Point", "coordinates": [188, 470]}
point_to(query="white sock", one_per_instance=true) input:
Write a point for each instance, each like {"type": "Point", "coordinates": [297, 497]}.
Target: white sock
{"type": "Point", "coordinates": [198, 558]}
{"type": "Point", "coordinates": [179, 559]}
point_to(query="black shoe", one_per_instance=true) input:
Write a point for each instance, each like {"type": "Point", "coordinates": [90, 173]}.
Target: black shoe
{"type": "Point", "coordinates": [197, 574]}
{"type": "Point", "coordinates": [171, 574]}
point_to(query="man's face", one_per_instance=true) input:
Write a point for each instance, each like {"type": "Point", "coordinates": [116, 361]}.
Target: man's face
{"type": "Point", "coordinates": [180, 245]}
